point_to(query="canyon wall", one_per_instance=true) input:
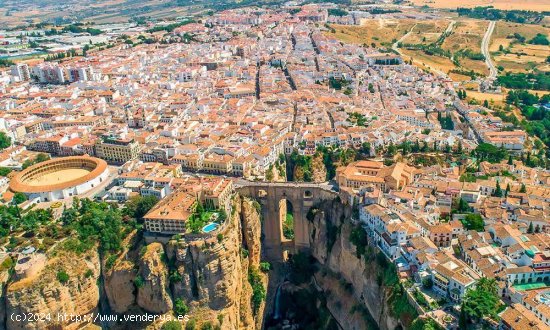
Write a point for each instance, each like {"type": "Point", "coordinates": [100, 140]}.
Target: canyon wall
{"type": "Point", "coordinates": [351, 281]}
{"type": "Point", "coordinates": [208, 273]}
{"type": "Point", "coordinates": [214, 271]}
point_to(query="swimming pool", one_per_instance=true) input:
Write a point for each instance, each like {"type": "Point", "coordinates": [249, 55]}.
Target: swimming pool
{"type": "Point", "coordinates": [531, 286]}
{"type": "Point", "coordinates": [544, 297]}
{"type": "Point", "coordinates": [210, 227]}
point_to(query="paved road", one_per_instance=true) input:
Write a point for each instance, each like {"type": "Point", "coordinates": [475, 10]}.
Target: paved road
{"type": "Point", "coordinates": [485, 50]}
{"type": "Point", "coordinates": [329, 185]}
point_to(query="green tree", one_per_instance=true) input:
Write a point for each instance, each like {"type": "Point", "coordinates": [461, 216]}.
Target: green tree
{"type": "Point", "coordinates": [4, 171]}
{"type": "Point", "coordinates": [19, 197]}
{"type": "Point", "coordinates": [463, 318]}
{"type": "Point", "coordinates": [459, 147]}
{"type": "Point", "coordinates": [258, 289]}
{"type": "Point", "coordinates": [180, 308]}
{"type": "Point", "coordinates": [138, 206]}
{"type": "Point", "coordinates": [461, 206]}
{"type": "Point", "coordinates": [5, 141]}
{"type": "Point", "coordinates": [365, 148]}
{"type": "Point", "coordinates": [265, 266]}
{"type": "Point", "coordinates": [207, 326]}
{"type": "Point", "coordinates": [269, 173]}
{"type": "Point", "coordinates": [391, 149]}
{"type": "Point", "coordinates": [522, 189]}
{"type": "Point", "coordinates": [487, 151]}
{"type": "Point", "coordinates": [482, 301]}
{"type": "Point", "coordinates": [371, 88]}
{"type": "Point", "coordinates": [498, 190]}
{"type": "Point", "coordinates": [191, 324]}
{"type": "Point", "coordinates": [474, 221]}
{"type": "Point", "coordinates": [41, 157]}
{"type": "Point", "coordinates": [531, 229]}
{"type": "Point", "coordinates": [427, 283]}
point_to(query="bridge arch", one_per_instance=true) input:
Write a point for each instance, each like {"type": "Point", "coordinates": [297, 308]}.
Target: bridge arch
{"type": "Point", "coordinates": [301, 196]}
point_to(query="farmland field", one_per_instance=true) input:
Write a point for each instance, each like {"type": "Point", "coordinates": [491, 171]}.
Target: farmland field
{"type": "Point", "coordinates": [377, 31]}
{"type": "Point", "coordinates": [538, 5]}
{"type": "Point", "coordinates": [518, 56]}
{"type": "Point", "coordinates": [427, 32]}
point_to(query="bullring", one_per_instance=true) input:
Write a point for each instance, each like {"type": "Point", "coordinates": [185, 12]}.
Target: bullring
{"type": "Point", "coordinates": [60, 178]}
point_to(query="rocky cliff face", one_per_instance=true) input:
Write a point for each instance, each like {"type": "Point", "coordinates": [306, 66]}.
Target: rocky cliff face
{"type": "Point", "coordinates": [319, 171]}
{"type": "Point", "coordinates": [332, 248]}
{"type": "Point", "coordinates": [152, 281]}
{"type": "Point", "coordinates": [49, 293]}
{"type": "Point", "coordinates": [4, 275]}
{"type": "Point", "coordinates": [209, 274]}
{"type": "Point", "coordinates": [119, 277]}
{"type": "Point", "coordinates": [119, 286]}
{"type": "Point", "coordinates": [214, 271]}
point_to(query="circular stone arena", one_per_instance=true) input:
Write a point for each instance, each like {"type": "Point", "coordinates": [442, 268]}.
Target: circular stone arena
{"type": "Point", "coordinates": [60, 178]}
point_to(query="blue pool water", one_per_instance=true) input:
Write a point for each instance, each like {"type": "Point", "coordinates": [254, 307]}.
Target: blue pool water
{"type": "Point", "coordinates": [210, 227]}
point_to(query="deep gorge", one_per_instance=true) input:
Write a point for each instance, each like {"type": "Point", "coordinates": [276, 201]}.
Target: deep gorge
{"type": "Point", "coordinates": [334, 284]}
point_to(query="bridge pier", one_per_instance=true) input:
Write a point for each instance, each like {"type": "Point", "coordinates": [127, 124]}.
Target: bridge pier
{"type": "Point", "coordinates": [272, 229]}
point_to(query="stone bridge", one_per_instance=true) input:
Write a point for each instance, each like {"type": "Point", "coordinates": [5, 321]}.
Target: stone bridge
{"type": "Point", "coordinates": [302, 196]}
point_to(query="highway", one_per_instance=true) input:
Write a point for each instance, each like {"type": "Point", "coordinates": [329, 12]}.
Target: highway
{"type": "Point", "coordinates": [485, 50]}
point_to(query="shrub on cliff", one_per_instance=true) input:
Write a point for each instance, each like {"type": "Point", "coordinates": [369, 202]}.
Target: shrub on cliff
{"type": "Point", "coordinates": [425, 324]}
{"type": "Point", "coordinates": [265, 266]}
{"type": "Point", "coordinates": [62, 277]}
{"type": "Point", "coordinates": [171, 325]}
{"type": "Point", "coordinates": [191, 324]}
{"type": "Point", "coordinates": [258, 289]}
{"type": "Point", "coordinates": [358, 237]}
{"type": "Point", "coordinates": [180, 308]}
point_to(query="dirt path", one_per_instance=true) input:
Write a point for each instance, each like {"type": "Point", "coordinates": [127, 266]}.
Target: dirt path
{"type": "Point", "coordinates": [420, 64]}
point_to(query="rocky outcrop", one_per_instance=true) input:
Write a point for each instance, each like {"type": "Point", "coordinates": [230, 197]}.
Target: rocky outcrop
{"type": "Point", "coordinates": [209, 273]}
{"type": "Point", "coordinates": [67, 284]}
{"type": "Point", "coordinates": [213, 271]}
{"type": "Point", "coordinates": [153, 286]}
{"type": "Point", "coordinates": [119, 286]}
{"type": "Point", "coordinates": [119, 276]}
{"type": "Point", "coordinates": [318, 169]}
{"type": "Point", "coordinates": [249, 214]}
{"type": "Point", "coordinates": [314, 172]}
{"type": "Point", "coordinates": [333, 249]}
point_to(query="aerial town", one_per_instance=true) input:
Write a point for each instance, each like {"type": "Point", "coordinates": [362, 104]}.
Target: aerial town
{"type": "Point", "coordinates": [165, 145]}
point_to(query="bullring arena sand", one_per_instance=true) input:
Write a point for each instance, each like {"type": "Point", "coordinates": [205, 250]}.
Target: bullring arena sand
{"type": "Point", "coordinates": [60, 176]}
